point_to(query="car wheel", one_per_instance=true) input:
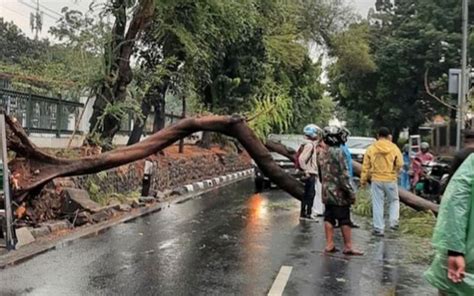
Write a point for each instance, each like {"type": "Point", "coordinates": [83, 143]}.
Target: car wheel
{"type": "Point", "coordinates": [259, 184]}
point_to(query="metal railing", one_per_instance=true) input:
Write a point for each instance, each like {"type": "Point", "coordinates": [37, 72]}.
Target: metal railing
{"type": "Point", "coordinates": [127, 123]}
{"type": "Point", "coordinates": [41, 114]}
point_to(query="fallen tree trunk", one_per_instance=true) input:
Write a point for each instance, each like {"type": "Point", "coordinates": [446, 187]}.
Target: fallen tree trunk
{"type": "Point", "coordinates": [33, 168]}
{"type": "Point", "coordinates": [406, 197]}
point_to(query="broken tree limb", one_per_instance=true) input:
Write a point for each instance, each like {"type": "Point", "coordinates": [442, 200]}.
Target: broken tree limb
{"type": "Point", "coordinates": [408, 198]}
{"type": "Point", "coordinates": [36, 168]}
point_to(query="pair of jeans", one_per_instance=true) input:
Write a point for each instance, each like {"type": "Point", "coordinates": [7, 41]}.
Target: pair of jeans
{"type": "Point", "coordinates": [404, 181]}
{"type": "Point", "coordinates": [380, 190]}
{"type": "Point", "coordinates": [309, 192]}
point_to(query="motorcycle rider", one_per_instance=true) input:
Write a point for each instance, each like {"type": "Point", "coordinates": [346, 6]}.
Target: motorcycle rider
{"type": "Point", "coordinates": [422, 158]}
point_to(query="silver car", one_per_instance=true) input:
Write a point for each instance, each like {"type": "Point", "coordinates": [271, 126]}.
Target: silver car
{"type": "Point", "coordinates": [358, 146]}
{"type": "Point", "coordinates": [290, 141]}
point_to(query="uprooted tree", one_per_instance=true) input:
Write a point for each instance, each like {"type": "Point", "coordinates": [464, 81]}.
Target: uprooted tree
{"type": "Point", "coordinates": [33, 168]}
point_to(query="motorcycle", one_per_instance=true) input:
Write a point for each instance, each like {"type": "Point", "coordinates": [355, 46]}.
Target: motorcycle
{"type": "Point", "coordinates": [433, 179]}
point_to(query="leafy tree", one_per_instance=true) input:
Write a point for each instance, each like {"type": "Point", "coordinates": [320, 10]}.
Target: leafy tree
{"type": "Point", "coordinates": [404, 40]}
{"type": "Point", "coordinates": [16, 46]}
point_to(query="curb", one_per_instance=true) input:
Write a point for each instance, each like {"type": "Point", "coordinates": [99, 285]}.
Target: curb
{"type": "Point", "coordinates": [210, 183]}
{"type": "Point", "coordinates": [45, 244]}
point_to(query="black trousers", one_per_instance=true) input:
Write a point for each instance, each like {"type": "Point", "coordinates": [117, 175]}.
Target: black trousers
{"type": "Point", "coordinates": [309, 193]}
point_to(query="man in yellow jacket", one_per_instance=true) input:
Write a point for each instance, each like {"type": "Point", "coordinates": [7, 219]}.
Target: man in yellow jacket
{"type": "Point", "coordinates": [382, 164]}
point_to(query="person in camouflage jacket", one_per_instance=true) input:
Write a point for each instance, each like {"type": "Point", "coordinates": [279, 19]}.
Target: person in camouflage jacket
{"type": "Point", "coordinates": [338, 193]}
{"type": "Point", "coordinates": [337, 189]}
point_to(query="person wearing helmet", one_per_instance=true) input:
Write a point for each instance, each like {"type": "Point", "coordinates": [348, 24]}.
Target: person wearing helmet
{"type": "Point", "coordinates": [424, 154]}
{"type": "Point", "coordinates": [338, 192]}
{"type": "Point", "coordinates": [308, 163]}
{"type": "Point", "coordinates": [344, 134]}
{"type": "Point", "coordinates": [422, 158]}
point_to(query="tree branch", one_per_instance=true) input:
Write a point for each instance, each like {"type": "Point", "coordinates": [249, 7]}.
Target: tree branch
{"type": "Point", "coordinates": [428, 92]}
{"type": "Point", "coordinates": [39, 168]}
{"type": "Point", "coordinates": [260, 114]}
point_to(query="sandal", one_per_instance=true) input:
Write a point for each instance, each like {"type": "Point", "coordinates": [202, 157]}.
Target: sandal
{"type": "Point", "coordinates": [333, 250]}
{"type": "Point", "coordinates": [353, 253]}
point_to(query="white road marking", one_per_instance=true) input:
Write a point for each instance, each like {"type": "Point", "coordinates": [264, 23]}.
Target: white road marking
{"type": "Point", "coordinates": [280, 281]}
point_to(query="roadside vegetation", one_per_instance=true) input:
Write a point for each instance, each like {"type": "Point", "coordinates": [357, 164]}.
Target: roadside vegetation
{"type": "Point", "coordinates": [416, 228]}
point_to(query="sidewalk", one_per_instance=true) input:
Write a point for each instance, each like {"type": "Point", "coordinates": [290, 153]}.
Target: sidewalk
{"type": "Point", "coordinates": [67, 237]}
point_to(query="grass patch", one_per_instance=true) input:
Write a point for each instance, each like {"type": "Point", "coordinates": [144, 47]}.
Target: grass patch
{"type": "Point", "coordinates": [107, 197]}
{"type": "Point", "coordinates": [416, 227]}
{"type": "Point", "coordinates": [420, 224]}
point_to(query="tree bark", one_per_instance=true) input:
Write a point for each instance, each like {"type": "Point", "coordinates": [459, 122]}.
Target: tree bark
{"type": "Point", "coordinates": [139, 127]}
{"type": "Point", "coordinates": [159, 118]}
{"type": "Point", "coordinates": [205, 140]}
{"type": "Point", "coordinates": [35, 168]}
{"type": "Point", "coordinates": [120, 73]}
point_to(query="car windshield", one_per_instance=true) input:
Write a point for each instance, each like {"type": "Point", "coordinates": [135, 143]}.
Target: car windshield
{"type": "Point", "coordinates": [294, 144]}
{"type": "Point", "coordinates": [291, 141]}
{"type": "Point", "coordinates": [360, 143]}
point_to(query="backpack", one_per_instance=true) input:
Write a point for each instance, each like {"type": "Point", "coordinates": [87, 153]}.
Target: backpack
{"type": "Point", "coordinates": [298, 154]}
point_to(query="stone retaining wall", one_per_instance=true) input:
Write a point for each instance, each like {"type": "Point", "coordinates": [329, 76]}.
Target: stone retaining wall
{"type": "Point", "coordinates": [170, 171]}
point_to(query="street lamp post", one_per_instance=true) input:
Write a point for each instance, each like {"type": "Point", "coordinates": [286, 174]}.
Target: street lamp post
{"type": "Point", "coordinates": [464, 78]}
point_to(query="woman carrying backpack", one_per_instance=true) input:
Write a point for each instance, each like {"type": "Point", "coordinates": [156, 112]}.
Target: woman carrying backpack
{"type": "Point", "coordinates": [308, 163]}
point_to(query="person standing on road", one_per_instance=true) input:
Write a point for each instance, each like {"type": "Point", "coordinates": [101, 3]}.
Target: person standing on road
{"type": "Point", "coordinates": [338, 192]}
{"type": "Point", "coordinates": [405, 174]}
{"type": "Point", "coordinates": [381, 166]}
{"type": "Point", "coordinates": [308, 163]}
{"type": "Point", "coordinates": [318, 206]}
{"type": "Point", "coordinates": [345, 133]}
{"type": "Point", "coordinates": [452, 269]}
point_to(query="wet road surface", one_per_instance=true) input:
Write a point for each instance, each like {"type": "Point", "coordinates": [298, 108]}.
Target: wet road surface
{"type": "Point", "coordinates": [227, 242]}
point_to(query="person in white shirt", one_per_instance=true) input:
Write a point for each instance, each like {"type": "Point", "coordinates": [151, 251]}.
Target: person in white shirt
{"type": "Point", "coordinates": [308, 163]}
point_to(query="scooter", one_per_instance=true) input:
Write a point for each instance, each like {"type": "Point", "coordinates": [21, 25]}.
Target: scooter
{"type": "Point", "coordinates": [433, 179]}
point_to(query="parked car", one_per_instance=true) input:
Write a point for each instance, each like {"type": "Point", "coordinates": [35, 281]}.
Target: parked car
{"type": "Point", "coordinates": [291, 141]}
{"type": "Point", "coordinates": [358, 146]}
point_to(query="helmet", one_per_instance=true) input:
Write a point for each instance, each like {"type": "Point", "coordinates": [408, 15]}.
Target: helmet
{"type": "Point", "coordinates": [312, 131]}
{"type": "Point", "coordinates": [425, 146]}
{"type": "Point", "coordinates": [332, 136]}
{"type": "Point", "coordinates": [344, 134]}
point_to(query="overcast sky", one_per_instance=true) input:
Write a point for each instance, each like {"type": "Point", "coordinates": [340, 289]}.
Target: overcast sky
{"type": "Point", "coordinates": [19, 11]}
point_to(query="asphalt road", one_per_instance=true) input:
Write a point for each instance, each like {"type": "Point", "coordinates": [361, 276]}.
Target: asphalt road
{"type": "Point", "coordinates": [226, 242]}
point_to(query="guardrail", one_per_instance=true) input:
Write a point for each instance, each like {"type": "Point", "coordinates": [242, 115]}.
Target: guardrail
{"type": "Point", "coordinates": [41, 114]}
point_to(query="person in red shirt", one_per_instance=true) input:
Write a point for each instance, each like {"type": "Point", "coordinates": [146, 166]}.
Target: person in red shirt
{"type": "Point", "coordinates": [422, 158]}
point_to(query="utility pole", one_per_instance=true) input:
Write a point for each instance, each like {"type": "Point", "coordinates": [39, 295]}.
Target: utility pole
{"type": "Point", "coordinates": [464, 77]}
{"type": "Point", "coordinates": [36, 19]}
